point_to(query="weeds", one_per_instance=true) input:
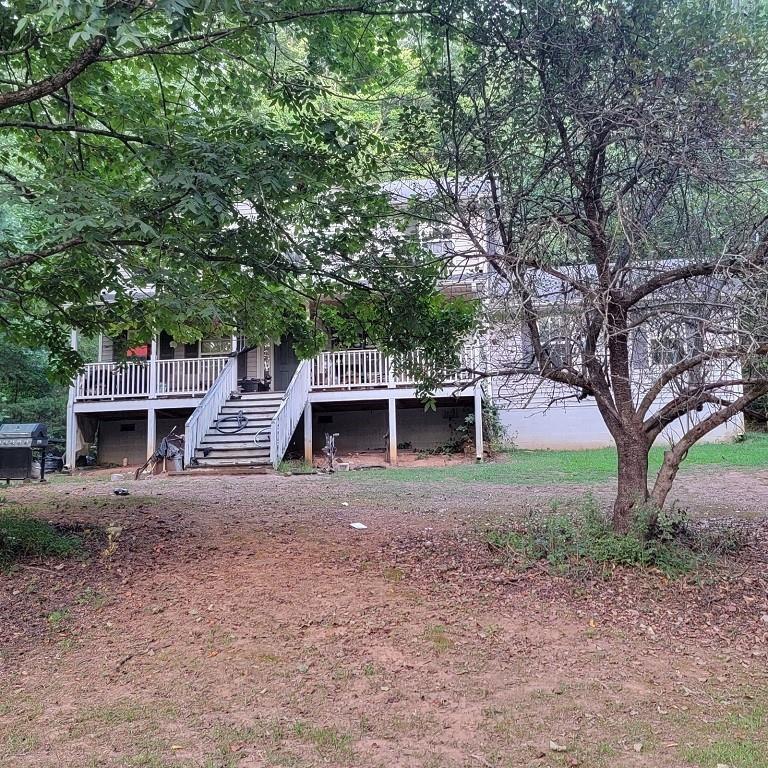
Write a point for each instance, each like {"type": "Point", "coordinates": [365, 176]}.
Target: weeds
{"type": "Point", "coordinates": [295, 467]}
{"type": "Point", "coordinates": [91, 598]}
{"type": "Point", "coordinates": [17, 742]}
{"type": "Point", "coordinates": [115, 714]}
{"type": "Point", "coordinates": [325, 739]}
{"type": "Point", "coordinates": [57, 619]}
{"type": "Point", "coordinates": [22, 536]}
{"type": "Point", "coordinates": [438, 636]}
{"type": "Point", "coordinates": [393, 574]}
{"type": "Point", "coordinates": [568, 541]}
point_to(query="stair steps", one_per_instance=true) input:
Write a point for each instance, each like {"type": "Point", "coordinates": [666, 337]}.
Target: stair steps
{"type": "Point", "coordinates": [247, 447]}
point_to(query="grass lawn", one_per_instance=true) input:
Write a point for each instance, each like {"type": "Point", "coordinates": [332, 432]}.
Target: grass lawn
{"type": "Point", "coordinates": [520, 467]}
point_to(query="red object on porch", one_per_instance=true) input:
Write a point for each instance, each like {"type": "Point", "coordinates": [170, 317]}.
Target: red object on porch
{"type": "Point", "coordinates": [141, 351]}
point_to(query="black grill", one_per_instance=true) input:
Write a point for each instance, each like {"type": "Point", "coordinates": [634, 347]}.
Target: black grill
{"type": "Point", "coordinates": [23, 435]}
{"type": "Point", "coordinates": [16, 444]}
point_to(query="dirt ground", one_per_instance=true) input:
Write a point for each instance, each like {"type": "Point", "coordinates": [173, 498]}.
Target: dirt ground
{"type": "Point", "coordinates": [235, 622]}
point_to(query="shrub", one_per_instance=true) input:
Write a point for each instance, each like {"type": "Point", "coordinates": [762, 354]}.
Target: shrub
{"type": "Point", "coordinates": [22, 536]}
{"type": "Point", "coordinates": [494, 431]}
{"type": "Point", "coordinates": [586, 538]}
{"type": "Point", "coordinates": [463, 435]}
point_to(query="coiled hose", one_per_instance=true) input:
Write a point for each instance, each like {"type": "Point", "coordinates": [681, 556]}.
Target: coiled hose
{"type": "Point", "coordinates": [240, 423]}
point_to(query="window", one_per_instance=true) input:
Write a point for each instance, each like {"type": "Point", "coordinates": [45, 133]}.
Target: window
{"type": "Point", "coordinates": [438, 239]}
{"type": "Point", "coordinates": [557, 339]}
{"type": "Point", "coordinates": [215, 347]}
{"type": "Point", "coordinates": [668, 345]}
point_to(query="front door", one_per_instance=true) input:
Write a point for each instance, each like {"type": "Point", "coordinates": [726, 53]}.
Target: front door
{"type": "Point", "coordinates": [286, 364]}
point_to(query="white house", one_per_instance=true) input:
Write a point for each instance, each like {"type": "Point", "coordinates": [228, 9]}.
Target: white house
{"type": "Point", "coordinates": [127, 405]}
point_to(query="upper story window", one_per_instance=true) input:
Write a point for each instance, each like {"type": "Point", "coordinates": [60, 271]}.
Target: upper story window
{"type": "Point", "coordinates": [558, 340]}
{"type": "Point", "coordinates": [674, 342]}
{"type": "Point", "coordinates": [666, 348]}
{"type": "Point", "coordinates": [438, 239]}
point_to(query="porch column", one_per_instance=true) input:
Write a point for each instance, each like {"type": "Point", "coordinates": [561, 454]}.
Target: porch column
{"type": "Point", "coordinates": [308, 455]}
{"type": "Point", "coordinates": [70, 453]}
{"type": "Point", "coordinates": [393, 431]}
{"type": "Point", "coordinates": [70, 456]}
{"type": "Point", "coordinates": [478, 422]}
{"type": "Point", "coordinates": [151, 431]}
{"type": "Point", "coordinates": [153, 371]}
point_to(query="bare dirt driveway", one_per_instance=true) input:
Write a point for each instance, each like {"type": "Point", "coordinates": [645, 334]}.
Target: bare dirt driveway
{"type": "Point", "coordinates": [237, 622]}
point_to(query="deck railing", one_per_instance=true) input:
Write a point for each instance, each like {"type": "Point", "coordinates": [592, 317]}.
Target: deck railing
{"type": "Point", "coordinates": [109, 381]}
{"type": "Point", "coordinates": [371, 368]}
{"type": "Point", "coordinates": [208, 410]}
{"type": "Point", "coordinates": [189, 376]}
{"type": "Point", "coordinates": [286, 419]}
{"type": "Point", "coordinates": [148, 378]}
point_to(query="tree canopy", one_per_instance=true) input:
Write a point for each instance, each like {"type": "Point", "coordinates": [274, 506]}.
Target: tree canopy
{"type": "Point", "coordinates": [215, 152]}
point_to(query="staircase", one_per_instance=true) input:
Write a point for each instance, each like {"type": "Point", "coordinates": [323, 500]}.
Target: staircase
{"type": "Point", "coordinates": [249, 446]}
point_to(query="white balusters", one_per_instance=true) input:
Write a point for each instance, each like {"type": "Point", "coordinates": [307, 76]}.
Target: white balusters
{"type": "Point", "coordinates": [291, 408]}
{"type": "Point", "coordinates": [205, 413]}
{"type": "Point", "coordinates": [345, 369]}
{"type": "Point", "coordinates": [132, 380]}
{"type": "Point", "coordinates": [109, 381]}
{"type": "Point", "coordinates": [370, 368]}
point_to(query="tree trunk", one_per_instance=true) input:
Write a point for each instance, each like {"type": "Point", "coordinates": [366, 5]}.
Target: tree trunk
{"type": "Point", "coordinates": [665, 478]}
{"type": "Point", "coordinates": [633, 484]}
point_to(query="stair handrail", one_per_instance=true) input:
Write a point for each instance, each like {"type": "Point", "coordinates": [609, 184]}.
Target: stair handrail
{"type": "Point", "coordinates": [206, 412]}
{"type": "Point", "coordinates": [287, 416]}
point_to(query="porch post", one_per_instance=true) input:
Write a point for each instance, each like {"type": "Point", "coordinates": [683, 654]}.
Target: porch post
{"type": "Point", "coordinates": [70, 453]}
{"type": "Point", "coordinates": [308, 455]}
{"type": "Point", "coordinates": [151, 430]}
{"type": "Point", "coordinates": [478, 422]}
{"type": "Point", "coordinates": [153, 372]}
{"type": "Point", "coordinates": [70, 456]}
{"type": "Point", "coordinates": [393, 431]}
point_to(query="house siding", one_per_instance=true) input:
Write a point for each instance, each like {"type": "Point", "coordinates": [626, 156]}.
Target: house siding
{"type": "Point", "coordinates": [541, 414]}
{"type": "Point", "coordinates": [579, 425]}
{"type": "Point", "coordinates": [107, 351]}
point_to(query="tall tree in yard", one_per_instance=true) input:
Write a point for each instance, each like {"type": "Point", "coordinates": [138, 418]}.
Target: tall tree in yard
{"type": "Point", "coordinates": [201, 148]}
{"type": "Point", "coordinates": [618, 153]}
